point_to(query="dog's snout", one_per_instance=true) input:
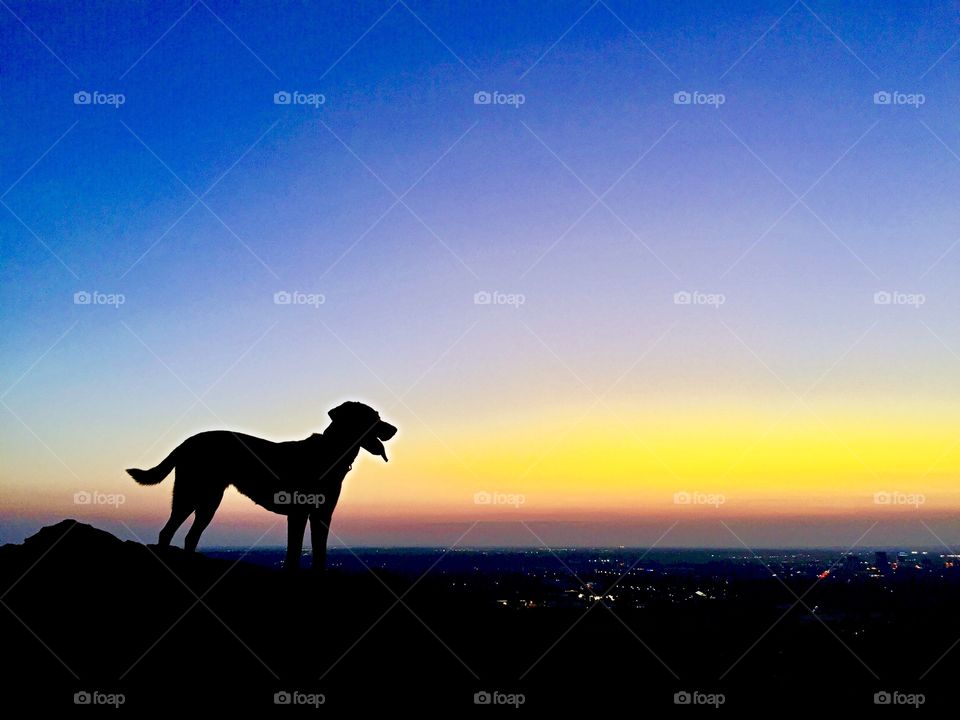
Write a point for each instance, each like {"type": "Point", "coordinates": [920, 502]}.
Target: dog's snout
{"type": "Point", "coordinates": [385, 430]}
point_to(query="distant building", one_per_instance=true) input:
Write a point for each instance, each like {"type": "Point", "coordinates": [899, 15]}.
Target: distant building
{"type": "Point", "coordinates": [852, 564]}
{"type": "Point", "coordinates": [908, 561]}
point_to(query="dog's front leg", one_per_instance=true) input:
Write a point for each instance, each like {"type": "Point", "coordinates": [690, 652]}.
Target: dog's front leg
{"type": "Point", "coordinates": [296, 526]}
{"type": "Point", "coordinates": [319, 528]}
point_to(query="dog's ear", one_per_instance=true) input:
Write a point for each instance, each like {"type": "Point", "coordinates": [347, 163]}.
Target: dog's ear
{"type": "Point", "coordinates": [340, 412]}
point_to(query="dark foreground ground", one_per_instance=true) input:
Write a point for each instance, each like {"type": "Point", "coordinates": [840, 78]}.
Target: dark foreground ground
{"type": "Point", "coordinates": [92, 620]}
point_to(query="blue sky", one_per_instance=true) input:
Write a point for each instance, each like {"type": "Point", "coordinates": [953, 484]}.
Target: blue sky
{"type": "Point", "coordinates": [398, 198]}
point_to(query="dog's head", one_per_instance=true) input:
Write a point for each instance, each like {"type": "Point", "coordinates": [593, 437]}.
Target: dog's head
{"type": "Point", "coordinates": [363, 423]}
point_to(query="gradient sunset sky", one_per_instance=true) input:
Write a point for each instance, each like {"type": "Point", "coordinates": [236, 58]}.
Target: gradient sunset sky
{"type": "Point", "coordinates": [804, 202]}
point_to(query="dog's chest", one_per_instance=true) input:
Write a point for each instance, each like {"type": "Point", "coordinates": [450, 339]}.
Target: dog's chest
{"type": "Point", "coordinates": [316, 462]}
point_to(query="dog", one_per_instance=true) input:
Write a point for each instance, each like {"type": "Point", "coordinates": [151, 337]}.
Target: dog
{"type": "Point", "coordinates": [300, 479]}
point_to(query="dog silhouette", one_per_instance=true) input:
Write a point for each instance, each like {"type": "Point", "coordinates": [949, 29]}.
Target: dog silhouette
{"type": "Point", "coordinates": [300, 479]}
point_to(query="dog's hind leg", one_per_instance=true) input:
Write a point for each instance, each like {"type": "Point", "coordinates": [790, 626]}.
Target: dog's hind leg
{"type": "Point", "coordinates": [184, 502]}
{"type": "Point", "coordinates": [180, 512]}
{"type": "Point", "coordinates": [206, 509]}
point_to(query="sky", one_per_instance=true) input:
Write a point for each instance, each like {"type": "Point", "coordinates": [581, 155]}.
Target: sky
{"type": "Point", "coordinates": [671, 274]}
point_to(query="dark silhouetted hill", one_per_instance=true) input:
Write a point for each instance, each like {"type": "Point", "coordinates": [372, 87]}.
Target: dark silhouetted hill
{"type": "Point", "coordinates": [88, 613]}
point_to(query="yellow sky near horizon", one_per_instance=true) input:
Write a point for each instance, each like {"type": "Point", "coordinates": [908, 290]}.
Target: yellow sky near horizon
{"type": "Point", "coordinates": [605, 463]}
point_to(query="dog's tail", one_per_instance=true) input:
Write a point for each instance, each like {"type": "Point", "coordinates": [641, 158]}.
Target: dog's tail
{"type": "Point", "coordinates": [156, 474]}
